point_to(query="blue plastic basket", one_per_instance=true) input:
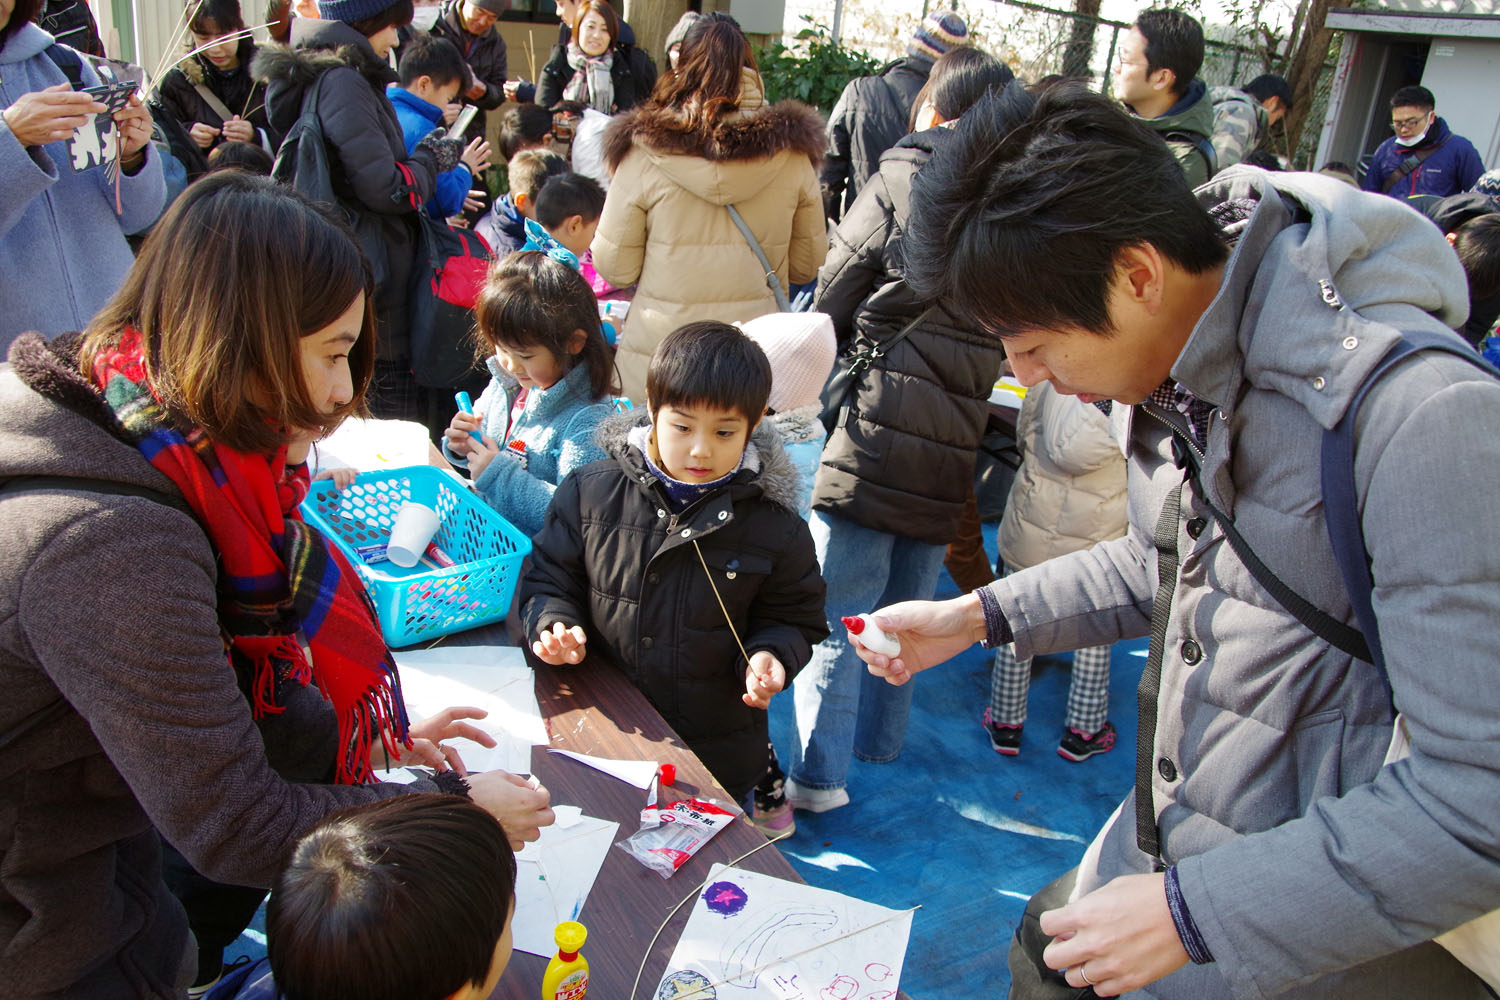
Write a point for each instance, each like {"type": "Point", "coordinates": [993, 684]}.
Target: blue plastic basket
{"type": "Point", "coordinates": [423, 602]}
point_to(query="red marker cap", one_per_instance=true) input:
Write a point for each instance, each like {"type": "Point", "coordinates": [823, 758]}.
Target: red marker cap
{"type": "Point", "coordinates": [854, 624]}
{"type": "Point", "coordinates": [669, 774]}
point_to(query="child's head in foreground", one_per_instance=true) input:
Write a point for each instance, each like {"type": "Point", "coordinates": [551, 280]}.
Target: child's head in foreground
{"type": "Point", "coordinates": [541, 320]}
{"type": "Point", "coordinates": [409, 898]}
{"type": "Point", "coordinates": [706, 389]}
{"type": "Point", "coordinates": [569, 206]}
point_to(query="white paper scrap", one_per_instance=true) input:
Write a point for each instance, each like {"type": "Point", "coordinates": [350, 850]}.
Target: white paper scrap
{"type": "Point", "coordinates": [397, 775]}
{"type": "Point", "coordinates": [768, 937]}
{"type": "Point", "coordinates": [493, 678]}
{"type": "Point", "coordinates": [639, 773]}
{"type": "Point", "coordinates": [369, 444]}
{"type": "Point", "coordinates": [553, 878]}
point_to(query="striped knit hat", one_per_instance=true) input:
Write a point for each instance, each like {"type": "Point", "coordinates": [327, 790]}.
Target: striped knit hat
{"type": "Point", "coordinates": [939, 31]}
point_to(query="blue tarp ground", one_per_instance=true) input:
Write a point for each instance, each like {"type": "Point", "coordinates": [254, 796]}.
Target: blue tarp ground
{"type": "Point", "coordinates": [950, 824]}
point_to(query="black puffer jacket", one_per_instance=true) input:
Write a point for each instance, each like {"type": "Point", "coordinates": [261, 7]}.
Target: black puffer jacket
{"type": "Point", "coordinates": [239, 91]}
{"type": "Point", "coordinates": [613, 559]}
{"type": "Point", "coordinates": [903, 461]}
{"type": "Point", "coordinates": [364, 146]}
{"type": "Point", "coordinates": [557, 74]}
{"type": "Point", "coordinates": [486, 56]}
{"type": "Point", "coordinates": [871, 115]}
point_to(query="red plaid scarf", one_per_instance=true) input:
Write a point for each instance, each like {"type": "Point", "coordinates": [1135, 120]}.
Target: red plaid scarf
{"type": "Point", "coordinates": [278, 575]}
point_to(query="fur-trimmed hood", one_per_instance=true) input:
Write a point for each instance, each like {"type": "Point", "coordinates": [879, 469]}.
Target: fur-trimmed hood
{"type": "Point", "coordinates": [317, 47]}
{"type": "Point", "coordinates": [776, 475]}
{"type": "Point", "coordinates": [748, 135]}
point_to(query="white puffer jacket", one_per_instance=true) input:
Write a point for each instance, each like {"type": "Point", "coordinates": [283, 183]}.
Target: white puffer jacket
{"type": "Point", "coordinates": [1070, 490]}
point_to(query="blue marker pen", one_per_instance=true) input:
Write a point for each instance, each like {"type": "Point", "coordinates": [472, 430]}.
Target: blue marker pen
{"type": "Point", "coordinates": [466, 405]}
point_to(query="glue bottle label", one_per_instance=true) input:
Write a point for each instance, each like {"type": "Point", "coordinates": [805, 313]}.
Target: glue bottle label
{"type": "Point", "coordinates": [574, 985]}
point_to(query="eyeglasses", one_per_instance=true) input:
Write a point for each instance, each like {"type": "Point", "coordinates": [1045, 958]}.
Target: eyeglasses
{"type": "Point", "coordinates": [1406, 123]}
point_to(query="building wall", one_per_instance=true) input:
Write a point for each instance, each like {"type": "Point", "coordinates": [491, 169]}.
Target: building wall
{"type": "Point", "coordinates": [1460, 73]}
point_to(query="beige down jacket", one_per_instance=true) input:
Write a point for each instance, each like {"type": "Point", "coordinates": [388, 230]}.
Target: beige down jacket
{"type": "Point", "coordinates": [1070, 490]}
{"type": "Point", "coordinates": [665, 224]}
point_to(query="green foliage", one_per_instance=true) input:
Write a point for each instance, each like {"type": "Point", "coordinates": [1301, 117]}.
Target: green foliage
{"type": "Point", "coordinates": [813, 69]}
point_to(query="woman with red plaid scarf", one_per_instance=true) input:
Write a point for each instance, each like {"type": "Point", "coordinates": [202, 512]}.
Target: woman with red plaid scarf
{"type": "Point", "coordinates": [184, 659]}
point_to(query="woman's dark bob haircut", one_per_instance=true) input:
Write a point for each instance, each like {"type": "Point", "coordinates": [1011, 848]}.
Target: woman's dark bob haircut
{"type": "Point", "coordinates": [230, 280]}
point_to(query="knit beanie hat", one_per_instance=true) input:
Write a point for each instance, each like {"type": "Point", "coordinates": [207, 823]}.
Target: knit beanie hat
{"type": "Point", "coordinates": [496, 7]}
{"type": "Point", "coordinates": [680, 29]}
{"type": "Point", "coordinates": [350, 11]}
{"type": "Point", "coordinates": [939, 31]}
{"type": "Point", "coordinates": [1488, 183]}
{"type": "Point", "coordinates": [801, 347]}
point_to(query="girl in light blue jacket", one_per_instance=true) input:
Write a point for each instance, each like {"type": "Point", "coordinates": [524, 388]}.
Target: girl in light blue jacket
{"type": "Point", "coordinates": [551, 386]}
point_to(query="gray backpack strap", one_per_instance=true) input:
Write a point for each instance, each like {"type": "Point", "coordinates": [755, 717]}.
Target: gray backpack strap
{"type": "Point", "coordinates": [772, 281]}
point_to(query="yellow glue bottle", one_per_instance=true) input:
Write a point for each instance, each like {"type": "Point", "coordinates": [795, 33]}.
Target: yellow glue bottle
{"type": "Point", "coordinates": [567, 976]}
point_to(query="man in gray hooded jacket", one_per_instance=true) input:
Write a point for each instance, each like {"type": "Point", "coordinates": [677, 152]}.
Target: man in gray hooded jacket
{"type": "Point", "coordinates": [1278, 856]}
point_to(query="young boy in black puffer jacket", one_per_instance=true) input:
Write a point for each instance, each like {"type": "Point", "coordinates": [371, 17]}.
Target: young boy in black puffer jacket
{"type": "Point", "coordinates": [699, 490]}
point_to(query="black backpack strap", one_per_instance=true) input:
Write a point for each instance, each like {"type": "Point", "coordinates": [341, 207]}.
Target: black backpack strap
{"type": "Point", "coordinates": [1409, 164]}
{"type": "Point", "coordinates": [67, 60]}
{"type": "Point", "coordinates": [1198, 141]}
{"type": "Point", "coordinates": [1340, 499]}
{"type": "Point", "coordinates": [58, 707]}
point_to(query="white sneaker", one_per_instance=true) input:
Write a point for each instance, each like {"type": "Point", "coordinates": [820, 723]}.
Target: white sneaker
{"type": "Point", "coordinates": [815, 800]}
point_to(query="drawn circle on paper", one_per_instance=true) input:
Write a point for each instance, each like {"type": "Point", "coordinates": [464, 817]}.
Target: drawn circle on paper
{"type": "Point", "coordinates": [686, 983]}
{"type": "Point", "coordinates": [877, 972]}
{"type": "Point", "coordinates": [725, 898]}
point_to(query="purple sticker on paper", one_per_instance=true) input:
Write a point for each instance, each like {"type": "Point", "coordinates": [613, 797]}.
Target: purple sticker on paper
{"type": "Point", "coordinates": [725, 898]}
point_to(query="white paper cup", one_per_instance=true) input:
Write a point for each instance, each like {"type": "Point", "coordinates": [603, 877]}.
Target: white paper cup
{"type": "Point", "coordinates": [415, 525]}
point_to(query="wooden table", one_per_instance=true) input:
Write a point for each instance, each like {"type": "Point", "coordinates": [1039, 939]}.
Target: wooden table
{"type": "Point", "coordinates": [593, 709]}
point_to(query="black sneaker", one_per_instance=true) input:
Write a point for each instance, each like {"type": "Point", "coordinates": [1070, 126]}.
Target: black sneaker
{"type": "Point", "coordinates": [1003, 739]}
{"type": "Point", "coordinates": [1078, 745]}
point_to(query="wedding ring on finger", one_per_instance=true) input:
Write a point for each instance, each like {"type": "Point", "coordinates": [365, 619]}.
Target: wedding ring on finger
{"type": "Point", "coordinates": [1085, 976]}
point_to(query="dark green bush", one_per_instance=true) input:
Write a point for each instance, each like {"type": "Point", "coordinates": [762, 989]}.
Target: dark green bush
{"type": "Point", "coordinates": [813, 69]}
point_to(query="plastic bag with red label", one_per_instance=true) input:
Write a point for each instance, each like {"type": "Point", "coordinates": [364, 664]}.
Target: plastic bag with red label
{"type": "Point", "coordinates": [669, 838]}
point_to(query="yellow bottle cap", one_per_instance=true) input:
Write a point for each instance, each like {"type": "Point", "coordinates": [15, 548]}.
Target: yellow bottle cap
{"type": "Point", "coordinates": [570, 935]}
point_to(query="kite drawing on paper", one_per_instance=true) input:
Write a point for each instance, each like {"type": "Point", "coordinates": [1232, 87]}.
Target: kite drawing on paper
{"type": "Point", "coordinates": [752, 935]}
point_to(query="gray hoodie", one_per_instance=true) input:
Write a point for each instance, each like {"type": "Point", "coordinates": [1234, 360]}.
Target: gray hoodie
{"type": "Point", "coordinates": [1309, 869]}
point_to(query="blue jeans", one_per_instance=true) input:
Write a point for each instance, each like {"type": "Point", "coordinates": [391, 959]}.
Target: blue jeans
{"type": "Point", "coordinates": [841, 707]}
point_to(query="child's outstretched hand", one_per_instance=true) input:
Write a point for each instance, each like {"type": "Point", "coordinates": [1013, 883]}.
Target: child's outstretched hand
{"type": "Point", "coordinates": [764, 678]}
{"type": "Point", "coordinates": [563, 644]}
{"type": "Point", "coordinates": [342, 478]}
{"type": "Point", "coordinates": [457, 434]}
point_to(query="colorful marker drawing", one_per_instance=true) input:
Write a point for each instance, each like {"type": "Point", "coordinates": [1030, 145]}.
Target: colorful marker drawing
{"type": "Point", "coordinates": [753, 936]}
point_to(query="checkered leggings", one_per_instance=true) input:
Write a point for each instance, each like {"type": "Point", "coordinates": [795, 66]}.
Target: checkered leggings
{"type": "Point", "coordinates": [1088, 694]}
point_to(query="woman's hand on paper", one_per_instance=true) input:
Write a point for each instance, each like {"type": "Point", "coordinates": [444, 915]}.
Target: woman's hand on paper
{"type": "Point", "coordinates": [427, 737]}
{"type": "Point", "coordinates": [560, 645]}
{"type": "Point", "coordinates": [764, 678]}
{"type": "Point", "coordinates": [521, 808]}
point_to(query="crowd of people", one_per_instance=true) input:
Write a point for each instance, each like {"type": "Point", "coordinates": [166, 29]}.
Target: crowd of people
{"type": "Point", "coordinates": [232, 273]}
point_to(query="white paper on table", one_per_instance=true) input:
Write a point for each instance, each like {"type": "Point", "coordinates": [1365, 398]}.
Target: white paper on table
{"type": "Point", "coordinates": [368, 444]}
{"type": "Point", "coordinates": [494, 678]}
{"type": "Point", "coordinates": [553, 878]}
{"type": "Point", "coordinates": [639, 773]}
{"type": "Point", "coordinates": [397, 775]}
{"type": "Point", "coordinates": [745, 920]}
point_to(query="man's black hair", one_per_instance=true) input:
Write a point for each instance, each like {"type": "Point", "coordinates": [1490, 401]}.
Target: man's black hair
{"type": "Point", "coordinates": [709, 364]}
{"type": "Point", "coordinates": [1017, 224]}
{"type": "Point", "coordinates": [1174, 41]}
{"type": "Point", "coordinates": [1269, 85]}
{"type": "Point", "coordinates": [567, 195]}
{"type": "Point", "coordinates": [1477, 243]}
{"type": "Point", "coordinates": [1414, 97]}
{"type": "Point", "coordinates": [523, 125]}
{"type": "Point", "coordinates": [434, 57]}
{"type": "Point", "coordinates": [1263, 159]}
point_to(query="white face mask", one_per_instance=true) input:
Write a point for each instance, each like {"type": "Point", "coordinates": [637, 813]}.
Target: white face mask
{"type": "Point", "coordinates": [1414, 140]}
{"type": "Point", "coordinates": [423, 18]}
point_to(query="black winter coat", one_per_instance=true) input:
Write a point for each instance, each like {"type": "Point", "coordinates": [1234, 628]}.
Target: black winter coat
{"type": "Point", "coordinates": [557, 74]}
{"type": "Point", "coordinates": [614, 559]}
{"type": "Point", "coordinates": [486, 56]}
{"type": "Point", "coordinates": [903, 462]}
{"type": "Point", "coordinates": [871, 115]}
{"type": "Point", "coordinates": [240, 92]}
{"type": "Point", "coordinates": [364, 143]}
